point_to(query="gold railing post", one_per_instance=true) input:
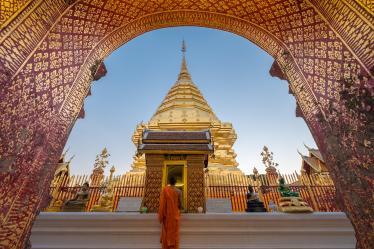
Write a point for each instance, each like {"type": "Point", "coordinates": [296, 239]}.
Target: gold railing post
{"type": "Point", "coordinates": [307, 182]}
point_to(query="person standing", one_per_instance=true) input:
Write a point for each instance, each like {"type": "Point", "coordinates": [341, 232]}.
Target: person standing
{"type": "Point", "coordinates": [169, 215]}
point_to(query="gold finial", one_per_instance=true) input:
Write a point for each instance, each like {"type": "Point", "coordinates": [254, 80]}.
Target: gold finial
{"type": "Point", "coordinates": [184, 74]}
{"type": "Point", "coordinates": [112, 170]}
{"type": "Point", "coordinates": [183, 47]}
{"type": "Point", "coordinates": [64, 154]}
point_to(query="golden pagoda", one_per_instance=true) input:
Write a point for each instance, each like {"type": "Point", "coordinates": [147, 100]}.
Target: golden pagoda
{"type": "Point", "coordinates": [185, 109]}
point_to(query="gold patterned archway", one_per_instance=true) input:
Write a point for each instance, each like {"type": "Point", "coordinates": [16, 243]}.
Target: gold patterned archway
{"type": "Point", "coordinates": [50, 50]}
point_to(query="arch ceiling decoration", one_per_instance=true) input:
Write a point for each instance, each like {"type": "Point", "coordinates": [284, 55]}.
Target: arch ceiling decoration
{"type": "Point", "coordinates": [50, 51]}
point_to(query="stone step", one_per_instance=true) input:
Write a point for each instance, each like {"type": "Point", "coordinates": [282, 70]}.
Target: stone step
{"type": "Point", "coordinates": [198, 231]}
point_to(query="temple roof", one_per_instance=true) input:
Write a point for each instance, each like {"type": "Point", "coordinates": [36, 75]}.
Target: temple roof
{"type": "Point", "coordinates": [184, 102]}
{"type": "Point", "coordinates": [176, 142]}
{"type": "Point", "coordinates": [176, 148]}
{"type": "Point", "coordinates": [311, 161]}
{"type": "Point", "coordinates": [315, 152]}
{"type": "Point", "coordinates": [176, 137]}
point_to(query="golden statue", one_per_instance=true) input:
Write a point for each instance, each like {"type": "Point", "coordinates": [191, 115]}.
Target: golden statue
{"type": "Point", "coordinates": [61, 177]}
{"type": "Point", "coordinates": [101, 162]}
{"type": "Point", "coordinates": [106, 200]}
{"type": "Point", "coordinates": [55, 204]}
{"type": "Point", "coordinates": [78, 203]}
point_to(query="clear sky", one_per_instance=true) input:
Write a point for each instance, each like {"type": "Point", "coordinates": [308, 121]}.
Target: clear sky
{"type": "Point", "coordinates": [231, 72]}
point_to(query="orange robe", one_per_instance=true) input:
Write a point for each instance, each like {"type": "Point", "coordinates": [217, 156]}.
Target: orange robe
{"type": "Point", "coordinates": [169, 215]}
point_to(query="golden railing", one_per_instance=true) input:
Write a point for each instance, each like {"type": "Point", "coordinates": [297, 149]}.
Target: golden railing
{"type": "Point", "coordinates": [317, 190]}
{"type": "Point", "coordinates": [123, 186]}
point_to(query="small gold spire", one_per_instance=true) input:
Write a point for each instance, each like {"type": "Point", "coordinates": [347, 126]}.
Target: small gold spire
{"type": "Point", "coordinates": [184, 74]}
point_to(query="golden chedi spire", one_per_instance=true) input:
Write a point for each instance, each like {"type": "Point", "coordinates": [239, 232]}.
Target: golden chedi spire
{"type": "Point", "coordinates": [184, 101]}
{"type": "Point", "coordinates": [184, 74]}
{"type": "Point", "coordinates": [185, 108]}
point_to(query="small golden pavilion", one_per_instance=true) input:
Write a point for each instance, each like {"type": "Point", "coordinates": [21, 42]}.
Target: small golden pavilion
{"type": "Point", "coordinates": [179, 154]}
{"type": "Point", "coordinates": [185, 109]}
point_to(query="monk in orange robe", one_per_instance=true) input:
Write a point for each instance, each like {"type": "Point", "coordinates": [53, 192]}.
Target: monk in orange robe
{"type": "Point", "coordinates": [169, 215]}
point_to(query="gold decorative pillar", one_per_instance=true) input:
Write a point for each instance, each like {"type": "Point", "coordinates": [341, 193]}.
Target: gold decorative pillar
{"type": "Point", "coordinates": [195, 183]}
{"type": "Point", "coordinates": [153, 181]}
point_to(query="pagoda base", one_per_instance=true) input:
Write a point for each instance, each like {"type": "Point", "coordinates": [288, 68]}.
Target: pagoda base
{"type": "Point", "coordinates": [198, 231]}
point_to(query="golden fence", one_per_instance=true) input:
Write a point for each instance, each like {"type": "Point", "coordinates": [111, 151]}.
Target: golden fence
{"type": "Point", "coordinates": [123, 186]}
{"type": "Point", "coordinates": [318, 191]}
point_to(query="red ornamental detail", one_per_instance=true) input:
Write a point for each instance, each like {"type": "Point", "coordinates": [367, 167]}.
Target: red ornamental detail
{"type": "Point", "coordinates": [82, 113]}
{"type": "Point", "coordinates": [100, 72]}
{"type": "Point", "coordinates": [276, 71]}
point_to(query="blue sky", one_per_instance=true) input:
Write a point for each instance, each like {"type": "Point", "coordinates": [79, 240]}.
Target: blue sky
{"type": "Point", "coordinates": [231, 72]}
